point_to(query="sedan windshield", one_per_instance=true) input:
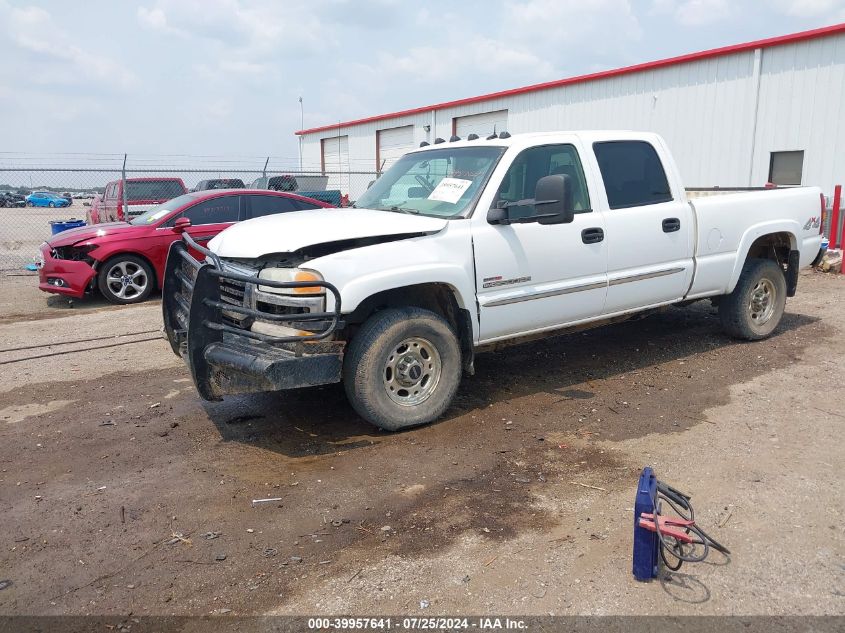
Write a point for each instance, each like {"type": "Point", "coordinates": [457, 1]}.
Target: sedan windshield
{"type": "Point", "coordinates": [153, 214]}
{"type": "Point", "coordinates": [438, 182]}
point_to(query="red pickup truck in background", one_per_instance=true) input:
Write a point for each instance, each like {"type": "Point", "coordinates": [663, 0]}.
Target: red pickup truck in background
{"type": "Point", "coordinates": [141, 195]}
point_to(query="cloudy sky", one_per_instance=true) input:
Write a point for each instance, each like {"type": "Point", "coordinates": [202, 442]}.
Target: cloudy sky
{"type": "Point", "coordinates": [223, 77]}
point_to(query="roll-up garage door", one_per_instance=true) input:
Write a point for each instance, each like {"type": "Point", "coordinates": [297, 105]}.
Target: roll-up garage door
{"type": "Point", "coordinates": [392, 144]}
{"type": "Point", "coordinates": [482, 124]}
{"type": "Point", "coordinates": [336, 162]}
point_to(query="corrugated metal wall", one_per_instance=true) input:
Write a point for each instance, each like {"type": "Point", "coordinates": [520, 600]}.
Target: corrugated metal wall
{"type": "Point", "coordinates": [705, 109]}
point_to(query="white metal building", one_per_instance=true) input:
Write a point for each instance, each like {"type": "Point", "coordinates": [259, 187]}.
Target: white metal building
{"type": "Point", "coordinates": [738, 116]}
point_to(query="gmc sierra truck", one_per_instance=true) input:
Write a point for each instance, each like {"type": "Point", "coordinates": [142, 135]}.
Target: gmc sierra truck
{"type": "Point", "coordinates": [464, 245]}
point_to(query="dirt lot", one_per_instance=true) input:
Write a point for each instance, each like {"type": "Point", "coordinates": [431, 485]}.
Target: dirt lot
{"type": "Point", "coordinates": [121, 491]}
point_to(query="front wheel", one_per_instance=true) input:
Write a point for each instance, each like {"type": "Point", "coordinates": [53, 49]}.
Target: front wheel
{"type": "Point", "coordinates": [52, 205]}
{"type": "Point", "coordinates": [126, 279]}
{"type": "Point", "coordinates": [755, 307]}
{"type": "Point", "coordinates": [403, 368]}
{"type": "Point", "coordinates": [30, 204]}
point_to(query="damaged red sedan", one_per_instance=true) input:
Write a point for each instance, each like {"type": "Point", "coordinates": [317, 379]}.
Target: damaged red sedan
{"type": "Point", "coordinates": [125, 260]}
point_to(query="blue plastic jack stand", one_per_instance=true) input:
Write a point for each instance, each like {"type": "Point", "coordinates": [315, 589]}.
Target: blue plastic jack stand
{"type": "Point", "coordinates": [645, 542]}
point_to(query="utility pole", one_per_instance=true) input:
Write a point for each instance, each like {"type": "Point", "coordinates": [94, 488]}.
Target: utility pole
{"type": "Point", "coordinates": [301, 127]}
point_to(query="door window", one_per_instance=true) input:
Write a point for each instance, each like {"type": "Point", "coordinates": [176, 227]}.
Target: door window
{"type": "Point", "coordinates": [271, 205]}
{"type": "Point", "coordinates": [214, 211]}
{"type": "Point", "coordinates": [633, 174]}
{"type": "Point", "coordinates": [535, 163]}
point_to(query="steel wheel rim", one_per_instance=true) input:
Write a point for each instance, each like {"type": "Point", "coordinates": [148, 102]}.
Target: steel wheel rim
{"type": "Point", "coordinates": [761, 304]}
{"type": "Point", "coordinates": [127, 280]}
{"type": "Point", "coordinates": [411, 371]}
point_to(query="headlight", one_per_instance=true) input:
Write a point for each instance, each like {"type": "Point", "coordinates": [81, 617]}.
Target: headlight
{"type": "Point", "coordinates": [288, 275]}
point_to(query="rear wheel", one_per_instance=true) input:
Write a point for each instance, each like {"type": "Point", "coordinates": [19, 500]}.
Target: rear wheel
{"type": "Point", "coordinates": [755, 307]}
{"type": "Point", "coordinates": [126, 279]}
{"type": "Point", "coordinates": [51, 205]}
{"type": "Point", "coordinates": [403, 368]}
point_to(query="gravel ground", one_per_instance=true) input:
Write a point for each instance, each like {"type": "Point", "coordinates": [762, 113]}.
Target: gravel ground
{"type": "Point", "coordinates": [122, 492]}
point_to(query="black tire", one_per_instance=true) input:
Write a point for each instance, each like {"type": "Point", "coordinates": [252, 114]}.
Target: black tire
{"type": "Point", "coordinates": [52, 205]}
{"type": "Point", "coordinates": [373, 387]}
{"type": "Point", "coordinates": [755, 307]}
{"type": "Point", "coordinates": [111, 276]}
{"type": "Point", "coordinates": [30, 204]}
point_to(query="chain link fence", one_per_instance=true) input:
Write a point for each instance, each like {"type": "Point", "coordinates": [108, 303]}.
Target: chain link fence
{"type": "Point", "coordinates": [32, 196]}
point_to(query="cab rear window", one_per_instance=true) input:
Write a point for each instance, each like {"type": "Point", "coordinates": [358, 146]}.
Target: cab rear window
{"type": "Point", "coordinates": [153, 190]}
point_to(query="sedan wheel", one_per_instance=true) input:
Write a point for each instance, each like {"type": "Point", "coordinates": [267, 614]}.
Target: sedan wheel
{"type": "Point", "coordinates": [52, 205]}
{"type": "Point", "coordinates": [126, 279]}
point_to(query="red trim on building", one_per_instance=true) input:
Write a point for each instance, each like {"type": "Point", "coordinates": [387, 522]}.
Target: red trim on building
{"type": "Point", "coordinates": [671, 61]}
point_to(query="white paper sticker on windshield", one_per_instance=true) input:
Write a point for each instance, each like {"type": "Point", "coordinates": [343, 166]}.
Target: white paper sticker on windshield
{"type": "Point", "coordinates": [450, 190]}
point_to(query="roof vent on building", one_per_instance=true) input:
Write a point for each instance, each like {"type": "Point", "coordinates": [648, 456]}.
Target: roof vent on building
{"type": "Point", "coordinates": [454, 138]}
{"type": "Point", "coordinates": [425, 144]}
{"type": "Point", "coordinates": [438, 140]}
{"type": "Point", "coordinates": [472, 137]}
{"type": "Point", "coordinates": [492, 136]}
{"type": "Point", "coordinates": [504, 134]}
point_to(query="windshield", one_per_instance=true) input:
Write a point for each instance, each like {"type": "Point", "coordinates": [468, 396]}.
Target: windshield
{"type": "Point", "coordinates": [153, 214]}
{"type": "Point", "coordinates": [439, 182]}
{"type": "Point", "coordinates": [153, 189]}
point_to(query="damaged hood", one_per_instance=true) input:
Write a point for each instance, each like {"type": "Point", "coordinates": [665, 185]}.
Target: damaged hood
{"type": "Point", "coordinates": [289, 232]}
{"type": "Point", "coordinates": [90, 232]}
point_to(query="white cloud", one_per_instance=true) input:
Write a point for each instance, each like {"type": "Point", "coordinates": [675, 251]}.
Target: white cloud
{"type": "Point", "coordinates": [462, 58]}
{"type": "Point", "coordinates": [57, 59]}
{"type": "Point", "coordinates": [247, 29]}
{"type": "Point", "coordinates": [562, 31]}
{"type": "Point", "coordinates": [695, 12]}
{"type": "Point", "coordinates": [156, 19]}
{"type": "Point", "coordinates": [811, 8]}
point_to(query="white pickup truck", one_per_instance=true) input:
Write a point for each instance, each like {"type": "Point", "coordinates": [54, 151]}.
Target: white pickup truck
{"type": "Point", "coordinates": [464, 245]}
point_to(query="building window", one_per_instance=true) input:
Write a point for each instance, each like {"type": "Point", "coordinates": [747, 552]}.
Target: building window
{"type": "Point", "coordinates": [786, 168]}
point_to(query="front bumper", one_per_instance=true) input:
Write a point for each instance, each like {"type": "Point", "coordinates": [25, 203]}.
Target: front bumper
{"type": "Point", "coordinates": [63, 276]}
{"type": "Point", "coordinates": [227, 355]}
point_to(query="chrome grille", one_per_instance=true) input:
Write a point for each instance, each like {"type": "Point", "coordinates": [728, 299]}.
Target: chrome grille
{"type": "Point", "coordinates": [234, 292]}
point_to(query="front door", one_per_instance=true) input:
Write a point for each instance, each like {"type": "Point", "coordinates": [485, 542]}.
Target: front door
{"type": "Point", "coordinates": [531, 277]}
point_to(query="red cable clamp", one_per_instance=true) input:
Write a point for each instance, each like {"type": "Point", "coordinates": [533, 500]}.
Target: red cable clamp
{"type": "Point", "coordinates": [667, 525]}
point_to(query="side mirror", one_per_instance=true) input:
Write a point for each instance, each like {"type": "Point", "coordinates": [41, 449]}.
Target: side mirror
{"type": "Point", "coordinates": [181, 224]}
{"type": "Point", "coordinates": [553, 200]}
{"type": "Point", "coordinates": [498, 215]}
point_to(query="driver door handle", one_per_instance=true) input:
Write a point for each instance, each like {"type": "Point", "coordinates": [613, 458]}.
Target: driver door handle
{"type": "Point", "coordinates": [592, 235]}
{"type": "Point", "coordinates": [670, 225]}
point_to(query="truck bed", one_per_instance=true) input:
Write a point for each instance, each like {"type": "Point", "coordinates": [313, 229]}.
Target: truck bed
{"type": "Point", "coordinates": [729, 224]}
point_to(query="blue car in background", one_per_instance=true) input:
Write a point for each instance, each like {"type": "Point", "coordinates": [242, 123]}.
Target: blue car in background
{"type": "Point", "coordinates": [46, 199]}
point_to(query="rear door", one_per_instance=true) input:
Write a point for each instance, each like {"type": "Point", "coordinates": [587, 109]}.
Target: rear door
{"type": "Point", "coordinates": [649, 231]}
